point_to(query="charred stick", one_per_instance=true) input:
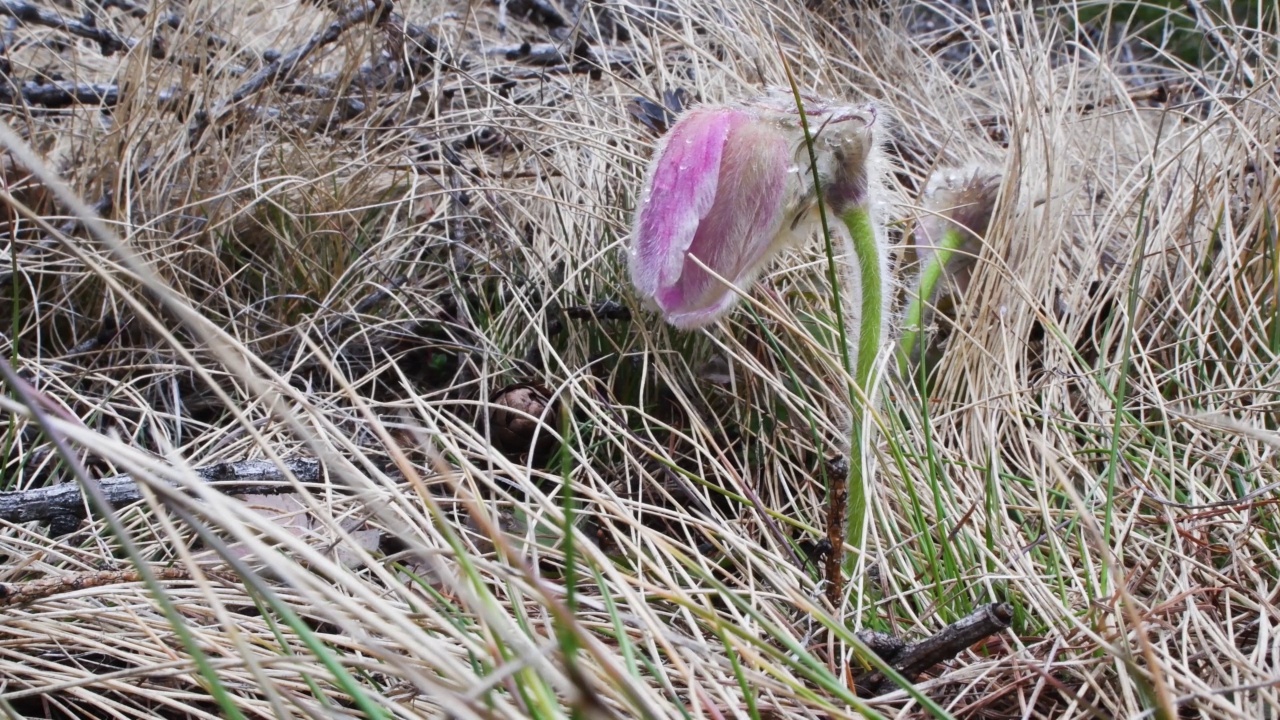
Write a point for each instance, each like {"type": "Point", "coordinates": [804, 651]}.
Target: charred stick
{"type": "Point", "coordinates": [505, 79]}
{"type": "Point", "coordinates": [100, 209]}
{"type": "Point", "coordinates": [419, 36]}
{"type": "Point", "coordinates": [176, 22]}
{"type": "Point", "coordinates": [888, 647]}
{"type": "Point", "coordinates": [6, 42]}
{"type": "Point", "coordinates": [57, 503]}
{"type": "Point", "coordinates": [284, 66]}
{"type": "Point", "coordinates": [603, 310]}
{"type": "Point", "coordinates": [107, 40]}
{"type": "Point", "coordinates": [915, 658]}
{"type": "Point", "coordinates": [548, 54]}
{"type": "Point", "coordinates": [56, 95]}
{"type": "Point", "coordinates": [953, 639]}
{"type": "Point", "coordinates": [540, 11]}
{"type": "Point", "coordinates": [130, 8]}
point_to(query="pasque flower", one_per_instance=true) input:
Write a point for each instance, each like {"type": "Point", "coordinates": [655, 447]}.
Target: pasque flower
{"type": "Point", "coordinates": [958, 206]}
{"type": "Point", "coordinates": [729, 187]}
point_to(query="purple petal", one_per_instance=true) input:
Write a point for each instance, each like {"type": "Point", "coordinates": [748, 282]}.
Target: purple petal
{"type": "Point", "coordinates": [679, 192]}
{"type": "Point", "coordinates": [739, 233]}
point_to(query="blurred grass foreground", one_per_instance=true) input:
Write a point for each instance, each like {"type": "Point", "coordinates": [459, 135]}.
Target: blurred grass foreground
{"type": "Point", "coordinates": [326, 393]}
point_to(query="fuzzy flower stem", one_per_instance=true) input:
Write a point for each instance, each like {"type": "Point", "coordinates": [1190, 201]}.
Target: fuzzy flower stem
{"type": "Point", "coordinates": [867, 249]}
{"type": "Point", "coordinates": [913, 323]}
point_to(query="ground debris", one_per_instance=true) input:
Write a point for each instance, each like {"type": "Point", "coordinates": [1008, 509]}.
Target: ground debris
{"type": "Point", "coordinates": [912, 660]}
{"type": "Point", "coordinates": [67, 500]}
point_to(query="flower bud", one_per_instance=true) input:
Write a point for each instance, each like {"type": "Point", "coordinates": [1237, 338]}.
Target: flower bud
{"type": "Point", "coordinates": [959, 201]}
{"type": "Point", "coordinates": [958, 205]}
{"type": "Point", "coordinates": [730, 187]}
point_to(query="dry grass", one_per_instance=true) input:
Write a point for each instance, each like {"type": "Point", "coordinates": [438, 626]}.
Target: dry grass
{"type": "Point", "coordinates": [1097, 446]}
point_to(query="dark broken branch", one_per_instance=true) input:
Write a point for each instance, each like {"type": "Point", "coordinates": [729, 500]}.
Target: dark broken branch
{"type": "Point", "coordinates": [603, 310]}
{"type": "Point", "coordinates": [100, 209]}
{"type": "Point", "coordinates": [912, 660]}
{"type": "Point", "coordinates": [128, 7]}
{"type": "Point", "coordinates": [57, 504]}
{"type": "Point", "coordinates": [284, 66]}
{"type": "Point", "coordinates": [176, 22]}
{"type": "Point", "coordinates": [421, 40]}
{"type": "Point", "coordinates": [107, 40]}
{"type": "Point", "coordinates": [55, 95]}
{"type": "Point", "coordinates": [539, 11]}
{"type": "Point", "coordinates": [59, 94]}
{"type": "Point", "coordinates": [553, 54]}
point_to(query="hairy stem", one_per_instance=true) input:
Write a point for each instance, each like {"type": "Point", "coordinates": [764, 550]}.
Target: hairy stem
{"type": "Point", "coordinates": [868, 250]}
{"type": "Point", "coordinates": [913, 323]}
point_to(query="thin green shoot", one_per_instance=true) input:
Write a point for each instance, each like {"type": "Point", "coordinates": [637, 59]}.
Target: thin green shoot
{"type": "Point", "coordinates": [913, 321]}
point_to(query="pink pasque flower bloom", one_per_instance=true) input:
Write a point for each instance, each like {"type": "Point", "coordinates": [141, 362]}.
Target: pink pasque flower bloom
{"type": "Point", "coordinates": [729, 188]}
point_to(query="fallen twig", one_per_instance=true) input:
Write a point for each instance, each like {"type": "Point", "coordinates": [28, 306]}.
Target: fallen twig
{"type": "Point", "coordinates": [176, 21]}
{"type": "Point", "coordinates": [912, 660]}
{"type": "Point", "coordinates": [659, 118]}
{"type": "Point", "coordinates": [552, 54]}
{"type": "Point", "coordinates": [60, 94]}
{"type": "Point", "coordinates": [128, 7]}
{"type": "Point", "coordinates": [54, 95]}
{"type": "Point", "coordinates": [64, 505]}
{"type": "Point", "coordinates": [107, 40]}
{"type": "Point", "coordinates": [422, 40]}
{"type": "Point", "coordinates": [539, 11]}
{"type": "Point", "coordinates": [533, 54]}
{"type": "Point", "coordinates": [100, 209]}
{"type": "Point", "coordinates": [603, 310]}
{"type": "Point", "coordinates": [284, 67]}
{"type": "Point", "coordinates": [25, 593]}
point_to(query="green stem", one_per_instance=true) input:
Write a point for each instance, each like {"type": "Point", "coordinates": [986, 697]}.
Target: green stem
{"type": "Point", "coordinates": [913, 323]}
{"type": "Point", "coordinates": [868, 251]}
